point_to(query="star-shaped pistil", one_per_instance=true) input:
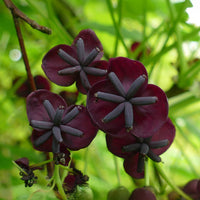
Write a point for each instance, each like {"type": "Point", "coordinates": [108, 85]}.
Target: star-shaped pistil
{"type": "Point", "coordinates": [56, 126]}
{"type": "Point", "coordinates": [125, 100]}
{"type": "Point", "coordinates": [81, 64]}
{"type": "Point", "coordinates": [143, 147]}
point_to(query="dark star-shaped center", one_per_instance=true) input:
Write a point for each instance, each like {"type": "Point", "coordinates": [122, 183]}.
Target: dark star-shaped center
{"type": "Point", "coordinates": [56, 125]}
{"type": "Point", "coordinates": [144, 147]}
{"type": "Point", "coordinates": [125, 100]}
{"type": "Point", "coordinates": [81, 64]}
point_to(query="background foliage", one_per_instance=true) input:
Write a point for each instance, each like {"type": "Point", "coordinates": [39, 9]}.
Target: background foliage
{"type": "Point", "coordinates": [173, 64]}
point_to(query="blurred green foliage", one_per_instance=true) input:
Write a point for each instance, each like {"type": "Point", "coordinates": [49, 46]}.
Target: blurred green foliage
{"type": "Point", "coordinates": [173, 64]}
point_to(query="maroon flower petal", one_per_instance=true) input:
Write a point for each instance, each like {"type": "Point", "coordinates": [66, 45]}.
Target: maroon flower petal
{"type": "Point", "coordinates": [23, 162]}
{"type": "Point", "coordinates": [47, 146]}
{"type": "Point", "coordinates": [101, 64]}
{"type": "Point", "coordinates": [35, 107]}
{"type": "Point", "coordinates": [115, 145]}
{"type": "Point", "coordinates": [98, 108]}
{"type": "Point", "coordinates": [52, 63]}
{"type": "Point", "coordinates": [127, 70]}
{"type": "Point", "coordinates": [91, 40]}
{"type": "Point", "coordinates": [131, 165]}
{"type": "Point", "coordinates": [42, 83]}
{"type": "Point", "coordinates": [167, 131]}
{"type": "Point", "coordinates": [83, 123]}
{"type": "Point", "coordinates": [149, 118]}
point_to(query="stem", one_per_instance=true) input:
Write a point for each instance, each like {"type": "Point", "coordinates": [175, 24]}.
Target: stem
{"type": "Point", "coordinates": [183, 64]}
{"type": "Point", "coordinates": [110, 7]}
{"type": "Point", "coordinates": [86, 160]}
{"type": "Point", "coordinates": [117, 170]}
{"type": "Point", "coordinates": [119, 9]}
{"type": "Point", "coordinates": [18, 167]}
{"type": "Point", "coordinates": [144, 19]}
{"type": "Point", "coordinates": [23, 50]}
{"type": "Point", "coordinates": [169, 182]}
{"type": "Point", "coordinates": [41, 163]}
{"type": "Point", "coordinates": [21, 15]}
{"type": "Point", "coordinates": [58, 182]}
{"type": "Point", "coordinates": [146, 172]}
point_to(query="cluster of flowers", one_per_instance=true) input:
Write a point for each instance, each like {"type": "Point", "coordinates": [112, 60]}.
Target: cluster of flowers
{"type": "Point", "coordinates": [132, 113]}
{"type": "Point", "coordinates": [120, 102]}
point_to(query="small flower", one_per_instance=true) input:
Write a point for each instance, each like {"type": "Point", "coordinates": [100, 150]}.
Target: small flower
{"type": "Point", "coordinates": [63, 157]}
{"type": "Point", "coordinates": [73, 179]}
{"type": "Point", "coordinates": [125, 100]}
{"type": "Point", "coordinates": [54, 123]}
{"type": "Point", "coordinates": [79, 62]}
{"type": "Point", "coordinates": [24, 89]}
{"type": "Point", "coordinates": [27, 174]}
{"type": "Point", "coordinates": [135, 150]}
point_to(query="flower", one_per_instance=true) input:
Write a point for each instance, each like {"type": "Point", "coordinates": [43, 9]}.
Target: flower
{"type": "Point", "coordinates": [79, 62]}
{"type": "Point", "coordinates": [63, 157]}
{"type": "Point", "coordinates": [24, 89]}
{"type": "Point", "coordinates": [26, 172]}
{"type": "Point", "coordinates": [73, 179]}
{"type": "Point", "coordinates": [125, 101]}
{"type": "Point", "coordinates": [54, 123]}
{"type": "Point", "coordinates": [135, 150]}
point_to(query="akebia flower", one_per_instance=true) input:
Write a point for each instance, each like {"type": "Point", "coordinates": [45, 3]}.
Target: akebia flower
{"type": "Point", "coordinates": [27, 173]}
{"type": "Point", "coordinates": [54, 123]}
{"type": "Point", "coordinates": [126, 101]}
{"type": "Point", "coordinates": [73, 179]}
{"type": "Point", "coordinates": [79, 62]}
{"type": "Point", "coordinates": [135, 150]}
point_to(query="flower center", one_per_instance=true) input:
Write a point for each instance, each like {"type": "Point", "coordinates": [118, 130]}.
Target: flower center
{"type": "Point", "coordinates": [81, 64]}
{"type": "Point", "coordinates": [56, 125]}
{"type": "Point", "coordinates": [144, 148]}
{"type": "Point", "coordinates": [125, 100]}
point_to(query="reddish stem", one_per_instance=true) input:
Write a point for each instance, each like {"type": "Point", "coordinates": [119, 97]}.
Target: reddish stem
{"type": "Point", "coordinates": [24, 55]}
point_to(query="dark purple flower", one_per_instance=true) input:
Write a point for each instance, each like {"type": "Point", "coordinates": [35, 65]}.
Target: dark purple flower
{"type": "Point", "coordinates": [63, 157]}
{"type": "Point", "coordinates": [135, 150]}
{"type": "Point", "coordinates": [125, 101]}
{"type": "Point", "coordinates": [142, 193]}
{"type": "Point", "coordinates": [73, 179]}
{"type": "Point", "coordinates": [79, 62]}
{"type": "Point", "coordinates": [54, 123]}
{"type": "Point", "coordinates": [27, 174]}
{"type": "Point", "coordinates": [40, 82]}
